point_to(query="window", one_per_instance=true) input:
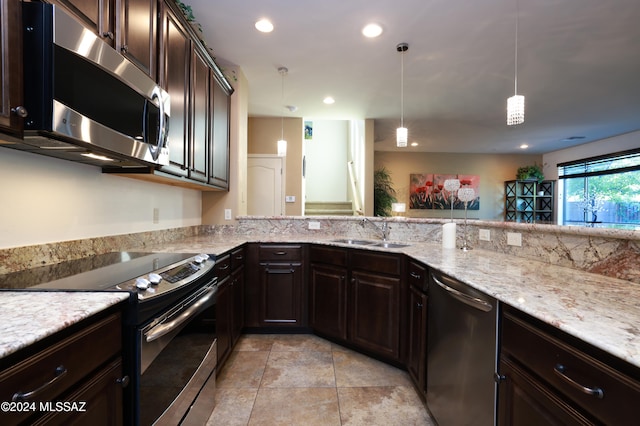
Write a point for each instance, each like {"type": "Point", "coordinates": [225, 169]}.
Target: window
{"type": "Point", "coordinates": [602, 191]}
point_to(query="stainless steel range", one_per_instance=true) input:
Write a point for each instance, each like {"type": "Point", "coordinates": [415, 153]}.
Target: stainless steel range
{"type": "Point", "coordinates": [170, 348]}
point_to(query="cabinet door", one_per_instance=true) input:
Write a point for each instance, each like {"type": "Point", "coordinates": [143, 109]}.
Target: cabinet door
{"type": "Point", "coordinates": [417, 337]}
{"type": "Point", "coordinates": [219, 165]}
{"type": "Point", "coordinates": [97, 15]}
{"type": "Point", "coordinates": [11, 95]}
{"type": "Point", "coordinates": [103, 396]}
{"type": "Point", "coordinates": [328, 301]}
{"type": "Point", "coordinates": [176, 50]}
{"type": "Point", "coordinates": [281, 294]}
{"type": "Point", "coordinates": [238, 304]}
{"type": "Point", "coordinates": [224, 307]}
{"type": "Point", "coordinates": [524, 401]}
{"type": "Point", "coordinates": [375, 319]}
{"type": "Point", "coordinates": [199, 134]}
{"type": "Point", "coordinates": [137, 33]}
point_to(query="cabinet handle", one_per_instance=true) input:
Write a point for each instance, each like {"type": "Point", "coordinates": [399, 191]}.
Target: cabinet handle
{"type": "Point", "coordinates": [414, 275]}
{"type": "Point", "coordinates": [223, 267]}
{"type": "Point", "coordinates": [108, 34]}
{"type": "Point", "coordinates": [239, 257]}
{"type": "Point", "coordinates": [20, 111]}
{"type": "Point", "coordinates": [59, 373]}
{"type": "Point", "coordinates": [123, 381]}
{"type": "Point", "coordinates": [560, 370]}
{"type": "Point", "coordinates": [280, 253]}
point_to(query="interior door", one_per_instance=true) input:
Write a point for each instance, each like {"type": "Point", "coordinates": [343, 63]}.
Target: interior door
{"type": "Point", "coordinates": [265, 190]}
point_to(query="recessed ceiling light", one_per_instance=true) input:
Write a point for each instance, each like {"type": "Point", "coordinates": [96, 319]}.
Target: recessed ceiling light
{"type": "Point", "coordinates": [524, 146]}
{"type": "Point", "coordinates": [414, 143]}
{"type": "Point", "coordinates": [264, 25]}
{"type": "Point", "coordinates": [372, 30]}
{"type": "Point", "coordinates": [329, 100]}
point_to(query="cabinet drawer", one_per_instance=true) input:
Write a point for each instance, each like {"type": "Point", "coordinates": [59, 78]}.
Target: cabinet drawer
{"type": "Point", "coordinates": [237, 258]}
{"type": "Point", "coordinates": [329, 255]}
{"type": "Point", "coordinates": [558, 363]}
{"type": "Point", "coordinates": [418, 276]}
{"type": "Point", "coordinates": [63, 364]}
{"type": "Point", "coordinates": [280, 252]}
{"type": "Point", "coordinates": [376, 262]}
{"type": "Point", "coordinates": [223, 267]}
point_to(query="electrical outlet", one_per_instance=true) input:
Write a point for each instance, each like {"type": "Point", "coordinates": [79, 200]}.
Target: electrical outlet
{"type": "Point", "coordinates": [290, 199]}
{"type": "Point", "coordinates": [314, 225]}
{"type": "Point", "coordinates": [227, 214]}
{"type": "Point", "coordinates": [514, 239]}
{"type": "Point", "coordinates": [156, 215]}
{"type": "Point", "coordinates": [485, 235]}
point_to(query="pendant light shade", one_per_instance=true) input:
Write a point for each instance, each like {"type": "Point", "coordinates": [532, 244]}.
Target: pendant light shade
{"type": "Point", "coordinates": [515, 104]}
{"type": "Point", "coordinates": [401, 132]}
{"type": "Point", "coordinates": [282, 143]}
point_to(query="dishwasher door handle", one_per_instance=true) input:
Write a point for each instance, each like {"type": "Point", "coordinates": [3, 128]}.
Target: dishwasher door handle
{"type": "Point", "coordinates": [465, 298]}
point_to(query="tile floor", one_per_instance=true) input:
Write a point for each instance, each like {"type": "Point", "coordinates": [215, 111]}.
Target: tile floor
{"type": "Point", "coordinates": [299, 379]}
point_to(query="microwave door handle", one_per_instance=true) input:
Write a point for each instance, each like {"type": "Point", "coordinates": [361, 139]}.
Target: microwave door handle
{"type": "Point", "coordinates": [162, 135]}
{"type": "Point", "coordinates": [162, 124]}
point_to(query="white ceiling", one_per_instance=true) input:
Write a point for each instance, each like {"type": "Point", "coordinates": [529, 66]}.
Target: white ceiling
{"type": "Point", "coordinates": [578, 66]}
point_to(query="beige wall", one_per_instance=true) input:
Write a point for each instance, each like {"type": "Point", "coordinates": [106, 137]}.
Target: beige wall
{"type": "Point", "coordinates": [215, 203]}
{"type": "Point", "coordinates": [263, 133]}
{"type": "Point", "coordinates": [492, 169]}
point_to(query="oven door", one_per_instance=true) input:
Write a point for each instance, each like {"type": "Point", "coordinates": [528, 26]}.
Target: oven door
{"type": "Point", "coordinates": [178, 357]}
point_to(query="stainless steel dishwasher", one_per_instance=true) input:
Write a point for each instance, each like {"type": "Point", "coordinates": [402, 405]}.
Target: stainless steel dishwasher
{"type": "Point", "coordinates": [461, 353]}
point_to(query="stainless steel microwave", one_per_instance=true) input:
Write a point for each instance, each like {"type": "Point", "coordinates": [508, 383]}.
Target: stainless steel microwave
{"type": "Point", "coordinates": [83, 99]}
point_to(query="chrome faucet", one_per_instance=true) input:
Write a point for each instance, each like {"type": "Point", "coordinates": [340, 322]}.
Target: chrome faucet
{"type": "Point", "coordinates": [385, 229]}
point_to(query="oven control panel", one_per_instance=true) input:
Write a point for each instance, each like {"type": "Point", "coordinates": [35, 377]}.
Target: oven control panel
{"type": "Point", "coordinates": [170, 277]}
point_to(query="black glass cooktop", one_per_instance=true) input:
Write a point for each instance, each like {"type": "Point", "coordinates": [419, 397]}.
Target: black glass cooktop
{"type": "Point", "coordinates": [92, 273]}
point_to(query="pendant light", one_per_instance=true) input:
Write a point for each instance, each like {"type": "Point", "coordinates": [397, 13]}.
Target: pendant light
{"type": "Point", "coordinates": [282, 143]}
{"type": "Point", "coordinates": [402, 132]}
{"type": "Point", "coordinates": [515, 104]}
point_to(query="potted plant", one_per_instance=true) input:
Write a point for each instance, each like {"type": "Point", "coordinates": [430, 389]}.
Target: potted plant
{"type": "Point", "coordinates": [383, 192]}
{"type": "Point", "coordinates": [533, 172]}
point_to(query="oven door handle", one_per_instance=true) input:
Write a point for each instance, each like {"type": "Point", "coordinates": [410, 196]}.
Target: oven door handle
{"type": "Point", "coordinates": [194, 309]}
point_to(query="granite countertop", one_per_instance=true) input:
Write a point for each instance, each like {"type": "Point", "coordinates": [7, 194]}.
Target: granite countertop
{"type": "Point", "coordinates": [602, 311]}
{"type": "Point", "coordinates": [29, 316]}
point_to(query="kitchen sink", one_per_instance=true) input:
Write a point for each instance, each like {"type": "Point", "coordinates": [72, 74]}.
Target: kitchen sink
{"type": "Point", "coordinates": [390, 245]}
{"type": "Point", "coordinates": [353, 242]}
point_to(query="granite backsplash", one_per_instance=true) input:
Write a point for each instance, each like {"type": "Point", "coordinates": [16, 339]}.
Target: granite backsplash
{"type": "Point", "coordinates": [609, 252]}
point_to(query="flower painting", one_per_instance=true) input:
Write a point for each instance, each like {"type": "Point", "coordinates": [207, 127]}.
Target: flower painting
{"type": "Point", "coordinates": [427, 191]}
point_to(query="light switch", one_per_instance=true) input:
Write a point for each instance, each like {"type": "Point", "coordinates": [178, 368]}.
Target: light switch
{"type": "Point", "coordinates": [227, 214]}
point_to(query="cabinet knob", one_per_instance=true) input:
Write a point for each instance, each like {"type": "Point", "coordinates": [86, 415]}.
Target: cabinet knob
{"type": "Point", "coordinates": [108, 34]}
{"type": "Point", "coordinates": [20, 111]}
{"type": "Point", "coordinates": [123, 381]}
{"type": "Point", "coordinates": [125, 48]}
{"type": "Point", "coordinates": [419, 305]}
{"type": "Point", "coordinates": [499, 377]}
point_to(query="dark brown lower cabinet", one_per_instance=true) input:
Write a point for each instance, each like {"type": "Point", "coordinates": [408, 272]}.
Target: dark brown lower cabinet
{"type": "Point", "coordinates": [417, 338]}
{"type": "Point", "coordinates": [328, 301]}
{"type": "Point", "coordinates": [281, 294]}
{"type": "Point", "coordinates": [527, 402]}
{"type": "Point", "coordinates": [375, 313]}
{"type": "Point", "coordinates": [549, 377]}
{"type": "Point", "coordinates": [224, 312]}
{"type": "Point", "coordinates": [84, 366]}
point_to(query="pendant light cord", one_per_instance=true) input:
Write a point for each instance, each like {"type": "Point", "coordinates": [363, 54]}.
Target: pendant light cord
{"type": "Point", "coordinates": [283, 72]}
{"type": "Point", "coordinates": [516, 50]}
{"type": "Point", "coordinates": [402, 89]}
